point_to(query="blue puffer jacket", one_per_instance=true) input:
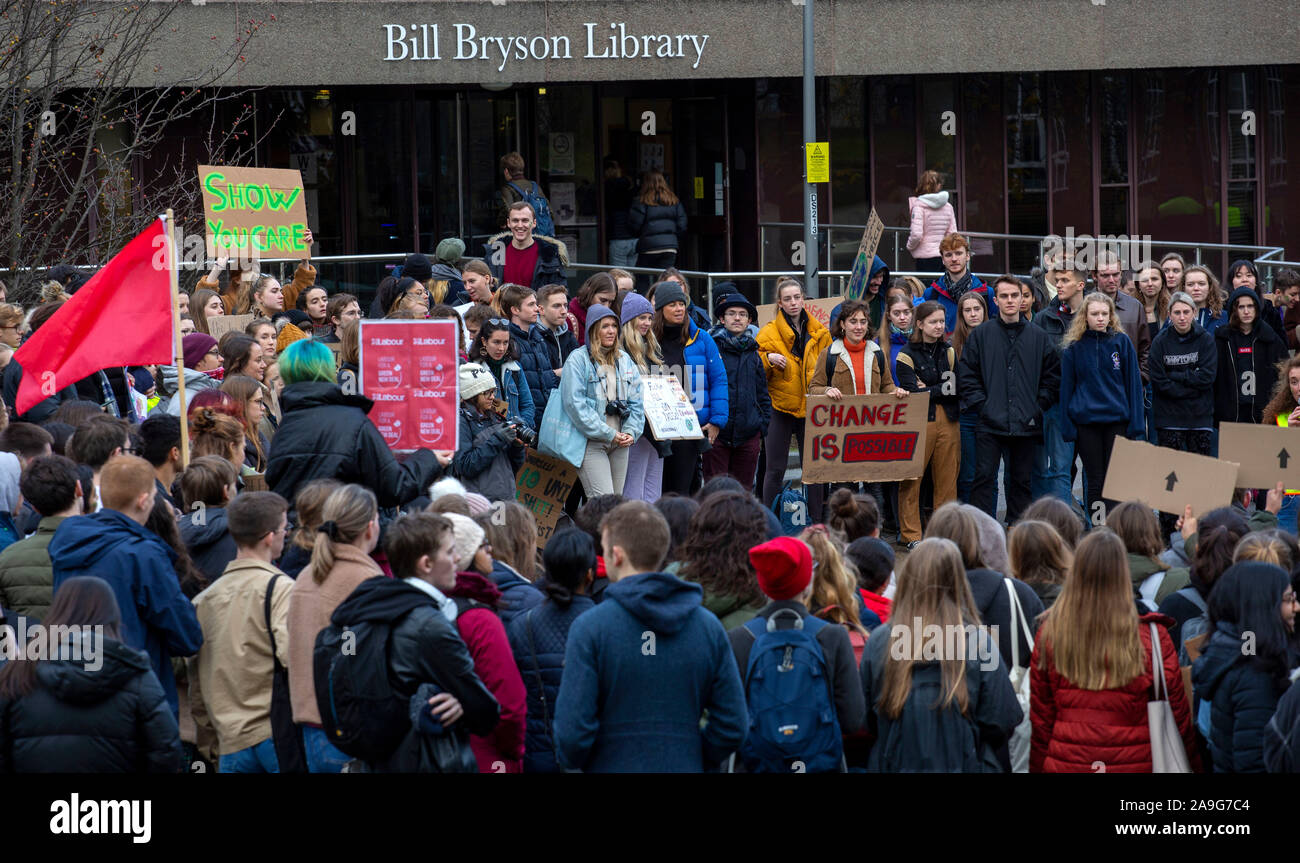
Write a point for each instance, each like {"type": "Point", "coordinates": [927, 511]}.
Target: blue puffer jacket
{"type": "Point", "coordinates": [537, 638]}
{"type": "Point", "coordinates": [535, 360]}
{"type": "Point", "coordinates": [517, 593]}
{"type": "Point", "coordinates": [749, 406]}
{"type": "Point", "coordinates": [707, 377]}
{"type": "Point", "coordinates": [1242, 699]}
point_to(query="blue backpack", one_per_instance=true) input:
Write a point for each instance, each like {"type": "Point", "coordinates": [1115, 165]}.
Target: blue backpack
{"type": "Point", "coordinates": [541, 209]}
{"type": "Point", "coordinates": [787, 504]}
{"type": "Point", "coordinates": [793, 727]}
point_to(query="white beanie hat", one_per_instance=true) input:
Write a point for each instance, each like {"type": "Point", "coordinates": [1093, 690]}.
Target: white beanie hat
{"type": "Point", "coordinates": [469, 536]}
{"type": "Point", "coordinates": [475, 379]}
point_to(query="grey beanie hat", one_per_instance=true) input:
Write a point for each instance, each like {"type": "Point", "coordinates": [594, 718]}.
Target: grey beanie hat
{"type": "Point", "coordinates": [669, 292]}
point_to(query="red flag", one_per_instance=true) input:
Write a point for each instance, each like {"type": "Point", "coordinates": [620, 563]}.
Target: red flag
{"type": "Point", "coordinates": [122, 316]}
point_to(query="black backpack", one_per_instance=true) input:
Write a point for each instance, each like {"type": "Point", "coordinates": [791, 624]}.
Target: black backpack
{"type": "Point", "coordinates": [361, 713]}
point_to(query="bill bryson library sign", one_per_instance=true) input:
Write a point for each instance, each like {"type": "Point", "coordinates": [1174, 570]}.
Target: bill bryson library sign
{"type": "Point", "coordinates": [464, 42]}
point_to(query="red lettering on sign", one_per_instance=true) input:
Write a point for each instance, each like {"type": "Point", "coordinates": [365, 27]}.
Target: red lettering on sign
{"type": "Point", "coordinates": [879, 446]}
{"type": "Point", "coordinates": [819, 415]}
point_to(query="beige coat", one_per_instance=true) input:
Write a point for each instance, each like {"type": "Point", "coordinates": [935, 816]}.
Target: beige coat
{"type": "Point", "coordinates": [844, 378]}
{"type": "Point", "coordinates": [309, 612]}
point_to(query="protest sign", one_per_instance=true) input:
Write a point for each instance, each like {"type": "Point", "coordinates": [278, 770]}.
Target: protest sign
{"type": "Point", "coordinates": [669, 411]}
{"type": "Point", "coordinates": [1168, 479]}
{"type": "Point", "coordinates": [253, 212]}
{"type": "Point", "coordinates": [873, 438]}
{"type": "Point", "coordinates": [255, 482]}
{"type": "Point", "coordinates": [1267, 454]}
{"type": "Point", "coordinates": [219, 325]}
{"type": "Point", "coordinates": [542, 485]}
{"type": "Point", "coordinates": [866, 254]}
{"type": "Point", "coordinates": [820, 309]}
{"type": "Point", "coordinates": [408, 369]}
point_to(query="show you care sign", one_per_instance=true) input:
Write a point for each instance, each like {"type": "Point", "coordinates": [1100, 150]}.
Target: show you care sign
{"type": "Point", "coordinates": [253, 212]}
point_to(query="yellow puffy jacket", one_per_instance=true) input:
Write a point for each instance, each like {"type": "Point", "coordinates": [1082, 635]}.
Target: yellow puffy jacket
{"type": "Point", "coordinates": [788, 387]}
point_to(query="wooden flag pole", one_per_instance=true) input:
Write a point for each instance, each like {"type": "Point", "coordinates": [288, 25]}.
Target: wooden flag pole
{"type": "Point", "coordinates": [176, 336]}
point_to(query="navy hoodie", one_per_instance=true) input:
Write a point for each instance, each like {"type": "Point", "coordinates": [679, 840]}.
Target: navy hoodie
{"type": "Point", "coordinates": [1102, 383]}
{"type": "Point", "coordinates": [1182, 369]}
{"type": "Point", "coordinates": [156, 617]}
{"type": "Point", "coordinates": [640, 670]}
{"type": "Point", "coordinates": [208, 540]}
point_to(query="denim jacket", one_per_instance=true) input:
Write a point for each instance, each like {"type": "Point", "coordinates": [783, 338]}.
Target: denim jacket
{"type": "Point", "coordinates": [579, 414]}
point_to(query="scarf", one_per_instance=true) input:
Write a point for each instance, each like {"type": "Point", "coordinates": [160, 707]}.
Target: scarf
{"type": "Point", "coordinates": [895, 331]}
{"type": "Point", "coordinates": [800, 333]}
{"type": "Point", "coordinates": [958, 290]}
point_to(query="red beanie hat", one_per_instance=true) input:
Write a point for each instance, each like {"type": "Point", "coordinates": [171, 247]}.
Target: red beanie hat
{"type": "Point", "coordinates": [784, 567]}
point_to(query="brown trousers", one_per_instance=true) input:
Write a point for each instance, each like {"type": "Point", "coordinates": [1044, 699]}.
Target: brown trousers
{"type": "Point", "coordinates": [943, 456]}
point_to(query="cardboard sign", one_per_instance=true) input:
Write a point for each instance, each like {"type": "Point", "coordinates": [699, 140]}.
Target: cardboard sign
{"type": "Point", "coordinates": [219, 325]}
{"type": "Point", "coordinates": [408, 368]}
{"type": "Point", "coordinates": [543, 485]}
{"type": "Point", "coordinates": [669, 411]}
{"type": "Point", "coordinates": [866, 254]}
{"type": "Point", "coordinates": [820, 309]}
{"type": "Point", "coordinates": [255, 482]}
{"type": "Point", "coordinates": [1168, 479]}
{"type": "Point", "coordinates": [874, 438]}
{"type": "Point", "coordinates": [1267, 454]}
{"type": "Point", "coordinates": [819, 162]}
{"type": "Point", "coordinates": [253, 212]}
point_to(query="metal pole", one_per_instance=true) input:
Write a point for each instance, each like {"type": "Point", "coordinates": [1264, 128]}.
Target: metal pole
{"type": "Point", "coordinates": [811, 258]}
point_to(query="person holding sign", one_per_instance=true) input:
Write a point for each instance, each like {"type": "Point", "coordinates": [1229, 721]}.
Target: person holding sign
{"type": "Point", "coordinates": [928, 363]}
{"type": "Point", "coordinates": [1102, 396]}
{"type": "Point", "coordinates": [599, 414]}
{"type": "Point", "coordinates": [1284, 410]}
{"type": "Point", "coordinates": [852, 363]}
{"type": "Point", "coordinates": [1009, 372]}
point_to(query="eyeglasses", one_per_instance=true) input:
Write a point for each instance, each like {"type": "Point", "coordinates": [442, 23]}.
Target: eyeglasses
{"type": "Point", "coordinates": [498, 322]}
{"type": "Point", "coordinates": [418, 293]}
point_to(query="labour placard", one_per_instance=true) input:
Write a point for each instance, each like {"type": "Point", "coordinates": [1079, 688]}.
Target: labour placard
{"type": "Point", "coordinates": [865, 438]}
{"type": "Point", "coordinates": [408, 369]}
{"type": "Point", "coordinates": [253, 212]}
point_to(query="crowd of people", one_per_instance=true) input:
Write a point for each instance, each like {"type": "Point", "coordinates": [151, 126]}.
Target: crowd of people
{"type": "Point", "coordinates": [296, 597]}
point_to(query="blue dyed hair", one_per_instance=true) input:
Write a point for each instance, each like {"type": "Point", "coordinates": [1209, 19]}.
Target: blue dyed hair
{"type": "Point", "coordinates": [306, 360]}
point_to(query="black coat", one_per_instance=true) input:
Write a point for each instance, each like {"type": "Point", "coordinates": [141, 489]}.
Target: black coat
{"type": "Point", "coordinates": [538, 638]}
{"type": "Point", "coordinates": [656, 227]}
{"type": "Point", "coordinates": [207, 538]}
{"type": "Point", "coordinates": [1009, 374]}
{"type": "Point", "coordinates": [424, 649]}
{"type": "Point", "coordinates": [1183, 369]}
{"type": "Point", "coordinates": [1247, 369]}
{"type": "Point", "coordinates": [558, 346]}
{"type": "Point", "coordinates": [42, 410]}
{"type": "Point", "coordinates": [114, 719]}
{"type": "Point", "coordinates": [552, 258]}
{"type": "Point", "coordinates": [750, 405]}
{"type": "Point", "coordinates": [1242, 696]}
{"type": "Point", "coordinates": [919, 363]}
{"type": "Point", "coordinates": [325, 433]}
{"type": "Point", "coordinates": [535, 360]}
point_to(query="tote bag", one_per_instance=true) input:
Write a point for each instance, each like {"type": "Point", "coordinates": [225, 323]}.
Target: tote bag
{"type": "Point", "coordinates": [1020, 737]}
{"type": "Point", "coordinates": [1167, 752]}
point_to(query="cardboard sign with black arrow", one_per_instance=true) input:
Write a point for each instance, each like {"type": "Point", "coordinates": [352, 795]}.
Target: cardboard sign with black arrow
{"type": "Point", "coordinates": [1264, 453]}
{"type": "Point", "coordinates": [1167, 479]}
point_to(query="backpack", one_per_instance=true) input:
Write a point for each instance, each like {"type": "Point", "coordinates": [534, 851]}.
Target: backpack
{"type": "Point", "coordinates": [792, 722]}
{"type": "Point", "coordinates": [786, 504]}
{"type": "Point", "coordinates": [359, 710]}
{"type": "Point", "coordinates": [541, 209]}
{"type": "Point", "coordinates": [1193, 626]}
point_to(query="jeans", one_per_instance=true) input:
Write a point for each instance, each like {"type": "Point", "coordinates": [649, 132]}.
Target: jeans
{"type": "Point", "coordinates": [255, 759]}
{"type": "Point", "coordinates": [645, 472]}
{"type": "Point", "coordinates": [970, 420]}
{"type": "Point", "coordinates": [779, 430]}
{"type": "Point", "coordinates": [1151, 430]}
{"type": "Point", "coordinates": [929, 265]}
{"type": "Point", "coordinates": [1018, 453]}
{"type": "Point", "coordinates": [740, 461]}
{"type": "Point", "coordinates": [1052, 461]}
{"type": "Point", "coordinates": [1286, 516]}
{"type": "Point", "coordinates": [1094, 444]}
{"type": "Point", "coordinates": [622, 253]}
{"type": "Point", "coordinates": [322, 756]}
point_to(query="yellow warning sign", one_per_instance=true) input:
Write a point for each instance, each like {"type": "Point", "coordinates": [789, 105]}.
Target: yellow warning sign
{"type": "Point", "coordinates": [819, 162]}
{"type": "Point", "coordinates": [699, 187]}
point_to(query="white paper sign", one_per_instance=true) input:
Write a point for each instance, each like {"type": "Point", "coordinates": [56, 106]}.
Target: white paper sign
{"type": "Point", "coordinates": [669, 411]}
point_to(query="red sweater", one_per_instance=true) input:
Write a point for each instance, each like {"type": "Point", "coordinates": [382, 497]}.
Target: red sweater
{"type": "Point", "coordinates": [494, 663]}
{"type": "Point", "coordinates": [1076, 730]}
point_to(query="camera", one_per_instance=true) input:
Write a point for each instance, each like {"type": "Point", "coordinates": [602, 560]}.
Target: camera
{"type": "Point", "coordinates": [618, 408]}
{"type": "Point", "coordinates": [523, 433]}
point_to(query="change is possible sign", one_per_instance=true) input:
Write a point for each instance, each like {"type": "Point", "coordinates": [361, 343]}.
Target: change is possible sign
{"type": "Point", "coordinates": [408, 369]}
{"type": "Point", "coordinates": [873, 438]}
{"type": "Point", "coordinates": [253, 212]}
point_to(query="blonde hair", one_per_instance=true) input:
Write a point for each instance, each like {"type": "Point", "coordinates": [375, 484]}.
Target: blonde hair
{"type": "Point", "coordinates": [1265, 546]}
{"type": "Point", "coordinates": [932, 590]}
{"type": "Point", "coordinates": [644, 351]}
{"type": "Point", "coordinates": [347, 513]}
{"type": "Point", "coordinates": [1079, 324]}
{"type": "Point", "coordinates": [1091, 632]}
{"type": "Point", "coordinates": [602, 356]}
{"type": "Point", "coordinates": [834, 586]}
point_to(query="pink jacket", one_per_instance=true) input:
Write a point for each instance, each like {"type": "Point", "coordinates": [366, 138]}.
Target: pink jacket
{"type": "Point", "coordinates": [932, 220]}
